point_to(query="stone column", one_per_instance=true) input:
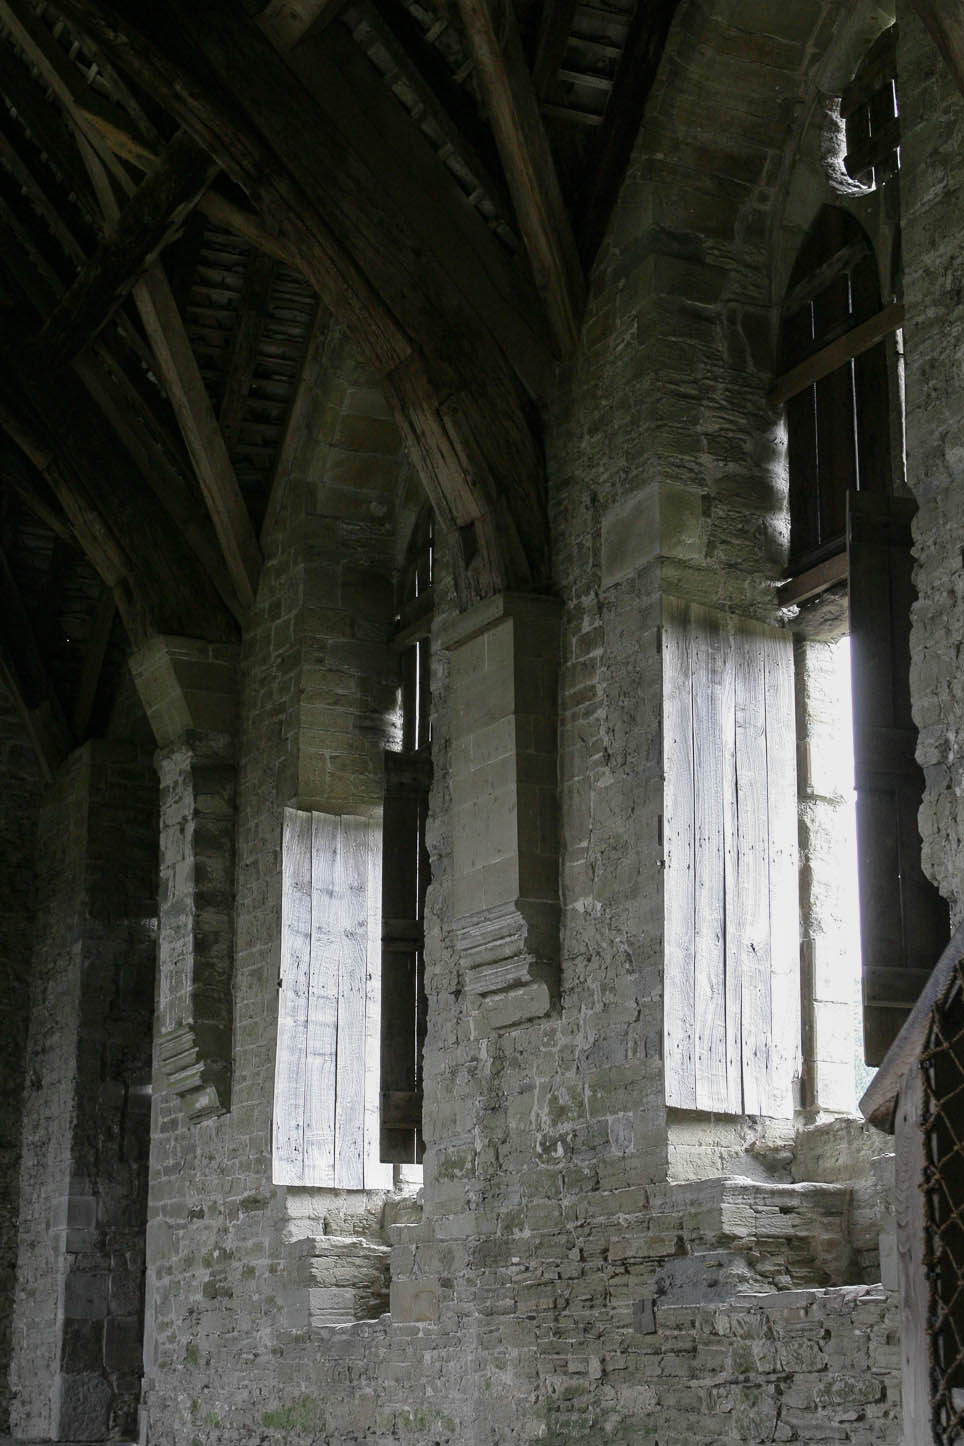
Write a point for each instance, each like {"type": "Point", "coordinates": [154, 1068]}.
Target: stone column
{"type": "Point", "coordinates": [189, 690]}
{"type": "Point", "coordinates": [78, 1322]}
{"type": "Point", "coordinates": [504, 678]}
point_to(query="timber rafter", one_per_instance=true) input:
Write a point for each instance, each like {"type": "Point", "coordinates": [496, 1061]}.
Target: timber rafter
{"type": "Point", "coordinates": [455, 395]}
{"type": "Point", "coordinates": [405, 167]}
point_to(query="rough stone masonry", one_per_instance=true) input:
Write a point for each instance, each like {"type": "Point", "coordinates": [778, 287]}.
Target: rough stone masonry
{"type": "Point", "coordinates": [576, 1261]}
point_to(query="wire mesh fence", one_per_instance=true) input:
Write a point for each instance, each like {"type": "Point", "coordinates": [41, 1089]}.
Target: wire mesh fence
{"type": "Point", "coordinates": [942, 1068]}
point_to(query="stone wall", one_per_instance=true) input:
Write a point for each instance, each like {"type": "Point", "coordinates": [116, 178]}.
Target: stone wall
{"type": "Point", "coordinates": [19, 803]}
{"type": "Point", "coordinates": [582, 1266]}
{"type": "Point", "coordinates": [932, 179]}
{"type": "Point", "coordinates": [78, 1321]}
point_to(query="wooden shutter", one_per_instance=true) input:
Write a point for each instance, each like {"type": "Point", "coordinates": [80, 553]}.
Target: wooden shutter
{"type": "Point", "coordinates": [904, 922]}
{"type": "Point", "coordinates": [731, 1005]}
{"type": "Point", "coordinates": [404, 881]}
{"type": "Point", "coordinates": [326, 1101]}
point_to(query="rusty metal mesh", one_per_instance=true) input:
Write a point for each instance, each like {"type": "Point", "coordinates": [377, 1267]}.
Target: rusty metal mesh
{"type": "Point", "coordinates": [942, 1067]}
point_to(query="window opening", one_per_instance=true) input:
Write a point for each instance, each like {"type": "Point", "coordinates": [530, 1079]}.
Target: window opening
{"type": "Point", "coordinates": [405, 864]}
{"type": "Point", "coordinates": [870, 109]}
{"type": "Point", "coordinates": [838, 427]}
{"type": "Point", "coordinates": [843, 508]}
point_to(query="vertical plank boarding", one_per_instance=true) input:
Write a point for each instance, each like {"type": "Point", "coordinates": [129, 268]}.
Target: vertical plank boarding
{"type": "Point", "coordinates": [679, 1024]}
{"type": "Point", "coordinates": [290, 1064]}
{"type": "Point", "coordinates": [352, 928]}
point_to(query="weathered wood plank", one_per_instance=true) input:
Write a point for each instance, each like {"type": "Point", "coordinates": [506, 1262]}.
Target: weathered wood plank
{"type": "Point", "coordinates": [378, 1175]}
{"type": "Point", "coordinates": [327, 910]}
{"type": "Point", "coordinates": [192, 407]}
{"type": "Point", "coordinates": [813, 581]}
{"type": "Point", "coordinates": [494, 42]}
{"type": "Point", "coordinates": [733, 1000]}
{"type": "Point", "coordinates": [783, 886]}
{"type": "Point", "coordinates": [679, 1021]}
{"type": "Point", "coordinates": [352, 915]}
{"type": "Point", "coordinates": [149, 220]}
{"type": "Point", "coordinates": [709, 935]}
{"type": "Point", "coordinates": [852, 344]}
{"type": "Point", "coordinates": [291, 1063]}
{"type": "Point", "coordinates": [751, 960]}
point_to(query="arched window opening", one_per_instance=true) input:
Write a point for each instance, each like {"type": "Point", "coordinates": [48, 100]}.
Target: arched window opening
{"type": "Point", "coordinates": [848, 524]}
{"type": "Point", "coordinates": [870, 109]}
{"type": "Point", "coordinates": [838, 424]}
{"type": "Point", "coordinates": [405, 864]}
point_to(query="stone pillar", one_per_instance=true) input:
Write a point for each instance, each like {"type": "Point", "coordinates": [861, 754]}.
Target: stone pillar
{"type": "Point", "coordinates": [189, 690]}
{"type": "Point", "coordinates": [78, 1322]}
{"type": "Point", "coordinates": [19, 809]}
{"type": "Point", "coordinates": [504, 678]}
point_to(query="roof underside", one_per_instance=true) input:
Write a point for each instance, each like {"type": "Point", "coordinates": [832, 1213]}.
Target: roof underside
{"type": "Point", "coordinates": [188, 194]}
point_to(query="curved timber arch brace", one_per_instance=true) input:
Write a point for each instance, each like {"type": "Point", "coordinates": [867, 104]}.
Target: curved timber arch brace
{"type": "Point", "coordinates": [268, 122]}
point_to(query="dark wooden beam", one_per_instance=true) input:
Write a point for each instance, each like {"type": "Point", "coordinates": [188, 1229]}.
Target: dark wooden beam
{"type": "Point", "coordinates": [144, 438]}
{"type": "Point", "coordinates": [429, 202]}
{"type": "Point", "coordinates": [199, 427]}
{"type": "Point", "coordinates": [837, 353]}
{"type": "Point", "coordinates": [56, 69]}
{"type": "Point", "coordinates": [126, 534]}
{"type": "Point", "coordinates": [151, 218]}
{"type": "Point", "coordinates": [255, 296]}
{"type": "Point", "coordinates": [217, 207]}
{"type": "Point", "coordinates": [22, 478]}
{"type": "Point", "coordinates": [513, 110]}
{"type": "Point", "coordinates": [160, 461]}
{"type": "Point", "coordinates": [284, 22]}
{"type": "Point", "coordinates": [459, 405]}
{"type": "Point", "coordinates": [33, 188]}
{"type": "Point", "coordinates": [945, 21]}
{"type": "Point", "coordinates": [46, 126]}
{"type": "Point", "coordinates": [448, 106]}
{"type": "Point", "coordinates": [609, 157]}
{"type": "Point", "coordinates": [554, 26]}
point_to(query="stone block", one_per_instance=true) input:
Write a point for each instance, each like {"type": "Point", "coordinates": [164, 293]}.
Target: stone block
{"type": "Point", "coordinates": [82, 1404]}
{"type": "Point", "coordinates": [85, 1296]}
{"type": "Point", "coordinates": [122, 1344]}
{"type": "Point", "coordinates": [414, 1301]}
{"type": "Point", "coordinates": [660, 520]}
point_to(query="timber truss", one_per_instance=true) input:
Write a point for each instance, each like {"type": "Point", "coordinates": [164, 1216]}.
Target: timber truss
{"type": "Point", "coordinates": [190, 191]}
